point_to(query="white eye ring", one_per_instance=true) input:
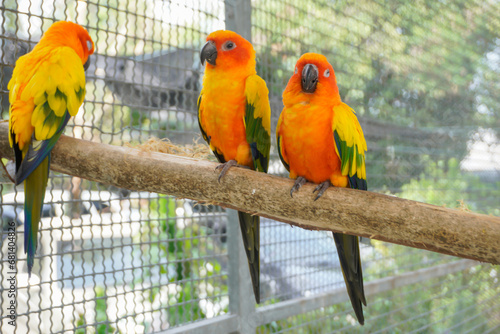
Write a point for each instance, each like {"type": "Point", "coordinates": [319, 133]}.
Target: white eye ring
{"type": "Point", "coordinates": [229, 45]}
{"type": "Point", "coordinates": [296, 70]}
{"type": "Point", "coordinates": [89, 45]}
{"type": "Point", "coordinates": [327, 73]}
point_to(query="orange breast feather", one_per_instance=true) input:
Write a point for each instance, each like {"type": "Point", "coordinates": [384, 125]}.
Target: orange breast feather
{"type": "Point", "coordinates": [308, 143]}
{"type": "Point", "coordinates": [222, 117]}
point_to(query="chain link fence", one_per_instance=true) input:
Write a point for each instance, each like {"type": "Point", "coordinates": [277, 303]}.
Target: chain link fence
{"type": "Point", "coordinates": [423, 78]}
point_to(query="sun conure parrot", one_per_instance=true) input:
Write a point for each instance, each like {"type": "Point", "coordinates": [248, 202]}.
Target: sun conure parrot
{"type": "Point", "coordinates": [47, 88]}
{"type": "Point", "coordinates": [235, 119]}
{"type": "Point", "coordinates": [320, 141]}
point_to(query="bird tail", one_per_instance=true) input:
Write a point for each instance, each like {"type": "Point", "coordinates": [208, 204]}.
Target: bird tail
{"type": "Point", "coordinates": [350, 262]}
{"type": "Point", "coordinates": [34, 193]}
{"type": "Point", "coordinates": [250, 231]}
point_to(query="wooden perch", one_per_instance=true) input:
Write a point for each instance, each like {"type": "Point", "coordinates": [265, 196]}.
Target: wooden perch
{"type": "Point", "coordinates": [361, 213]}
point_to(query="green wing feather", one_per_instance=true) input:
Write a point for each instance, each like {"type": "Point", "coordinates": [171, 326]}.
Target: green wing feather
{"type": "Point", "coordinates": [258, 121]}
{"type": "Point", "coordinates": [350, 146]}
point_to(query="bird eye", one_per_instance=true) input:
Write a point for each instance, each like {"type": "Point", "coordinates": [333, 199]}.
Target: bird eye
{"type": "Point", "coordinates": [327, 73]}
{"type": "Point", "coordinates": [229, 45]}
{"type": "Point", "coordinates": [89, 45]}
{"type": "Point", "coordinates": [296, 70]}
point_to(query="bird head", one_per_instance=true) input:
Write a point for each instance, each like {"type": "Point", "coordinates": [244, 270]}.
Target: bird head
{"type": "Point", "coordinates": [313, 78]}
{"type": "Point", "coordinates": [226, 50]}
{"type": "Point", "coordinates": [65, 33]}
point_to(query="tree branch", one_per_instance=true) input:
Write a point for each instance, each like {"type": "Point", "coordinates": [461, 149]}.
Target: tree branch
{"type": "Point", "coordinates": [361, 213]}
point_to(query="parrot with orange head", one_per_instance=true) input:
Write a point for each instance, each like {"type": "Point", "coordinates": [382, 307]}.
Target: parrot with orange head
{"type": "Point", "coordinates": [47, 88]}
{"type": "Point", "coordinates": [320, 140]}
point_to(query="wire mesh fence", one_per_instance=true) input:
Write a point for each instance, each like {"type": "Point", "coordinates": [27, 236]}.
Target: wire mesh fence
{"type": "Point", "coordinates": [423, 78]}
{"type": "Point", "coordinates": [465, 302]}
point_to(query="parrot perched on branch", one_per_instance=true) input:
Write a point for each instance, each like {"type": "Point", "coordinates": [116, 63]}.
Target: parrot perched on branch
{"type": "Point", "coordinates": [320, 140]}
{"type": "Point", "coordinates": [235, 119]}
{"type": "Point", "coordinates": [47, 88]}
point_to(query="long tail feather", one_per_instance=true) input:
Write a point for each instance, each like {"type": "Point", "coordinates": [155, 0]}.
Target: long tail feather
{"type": "Point", "coordinates": [350, 262]}
{"type": "Point", "coordinates": [34, 193]}
{"type": "Point", "coordinates": [250, 231]}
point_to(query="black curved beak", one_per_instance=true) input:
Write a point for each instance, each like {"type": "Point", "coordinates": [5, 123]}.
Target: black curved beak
{"type": "Point", "coordinates": [309, 78]}
{"type": "Point", "coordinates": [208, 53]}
{"type": "Point", "coordinates": [87, 64]}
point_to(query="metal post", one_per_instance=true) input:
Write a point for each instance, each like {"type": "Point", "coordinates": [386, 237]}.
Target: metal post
{"type": "Point", "coordinates": [241, 298]}
{"type": "Point", "coordinates": [239, 17]}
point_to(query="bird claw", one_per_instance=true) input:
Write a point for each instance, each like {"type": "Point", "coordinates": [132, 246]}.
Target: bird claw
{"type": "Point", "coordinates": [225, 167]}
{"type": "Point", "coordinates": [321, 188]}
{"type": "Point", "coordinates": [299, 182]}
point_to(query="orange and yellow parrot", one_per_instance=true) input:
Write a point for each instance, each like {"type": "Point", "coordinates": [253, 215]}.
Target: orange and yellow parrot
{"type": "Point", "coordinates": [235, 119]}
{"type": "Point", "coordinates": [47, 88]}
{"type": "Point", "coordinates": [320, 140]}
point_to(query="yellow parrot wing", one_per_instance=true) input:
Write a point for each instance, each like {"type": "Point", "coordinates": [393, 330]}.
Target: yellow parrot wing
{"type": "Point", "coordinates": [350, 145]}
{"type": "Point", "coordinates": [55, 86]}
{"type": "Point", "coordinates": [279, 139]}
{"type": "Point", "coordinates": [258, 121]}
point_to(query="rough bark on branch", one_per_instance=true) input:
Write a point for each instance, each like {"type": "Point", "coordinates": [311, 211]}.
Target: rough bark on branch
{"type": "Point", "coordinates": [361, 213]}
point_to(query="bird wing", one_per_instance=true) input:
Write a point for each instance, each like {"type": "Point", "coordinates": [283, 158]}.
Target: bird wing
{"type": "Point", "coordinates": [258, 121]}
{"type": "Point", "coordinates": [279, 142]}
{"type": "Point", "coordinates": [350, 145]}
{"type": "Point", "coordinates": [54, 87]}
